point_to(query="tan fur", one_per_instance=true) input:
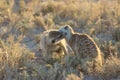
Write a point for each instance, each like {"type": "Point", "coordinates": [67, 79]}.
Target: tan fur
{"type": "Point", "coordinates": [49, 48]}
{"type": "Point", "coordinates": [84, 47]}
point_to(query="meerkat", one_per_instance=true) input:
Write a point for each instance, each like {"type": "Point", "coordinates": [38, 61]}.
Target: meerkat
{"type": "Point", "coordinates": [84, 47]}
{"type": "Point", "coordinates": [52, 43]}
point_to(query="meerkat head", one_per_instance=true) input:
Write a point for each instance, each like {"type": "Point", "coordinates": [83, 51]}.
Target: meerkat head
{"type": "Point", "coordinates": [67, 31]}
{"type": "Point", "coordinates": [55, 36]}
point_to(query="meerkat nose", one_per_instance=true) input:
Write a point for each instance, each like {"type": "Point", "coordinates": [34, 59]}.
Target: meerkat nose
{"type": "Point", "coordinates": [53, 41]}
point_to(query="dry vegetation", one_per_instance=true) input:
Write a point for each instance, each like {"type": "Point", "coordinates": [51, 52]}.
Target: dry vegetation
{"type": "Point", "coordinates": [23, 21]}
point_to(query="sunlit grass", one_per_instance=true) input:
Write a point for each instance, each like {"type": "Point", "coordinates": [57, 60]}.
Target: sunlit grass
{"type": "Point", "coordinates": [100, 19]}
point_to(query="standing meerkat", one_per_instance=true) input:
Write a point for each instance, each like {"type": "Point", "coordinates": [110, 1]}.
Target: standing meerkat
{"type": "Point", "coordinates": [52, 43]}
{"type": "Point", "coordinates": [84, 48]}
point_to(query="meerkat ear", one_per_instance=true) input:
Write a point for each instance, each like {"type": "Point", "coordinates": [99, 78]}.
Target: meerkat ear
{"type": "Point", "coordinates": [66, 27]}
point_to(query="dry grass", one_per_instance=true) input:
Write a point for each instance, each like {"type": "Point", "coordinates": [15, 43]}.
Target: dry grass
{"type": "Point", "coordinates": [111, 69]}
{"type": "Point", "coordinates": [21, 26]}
